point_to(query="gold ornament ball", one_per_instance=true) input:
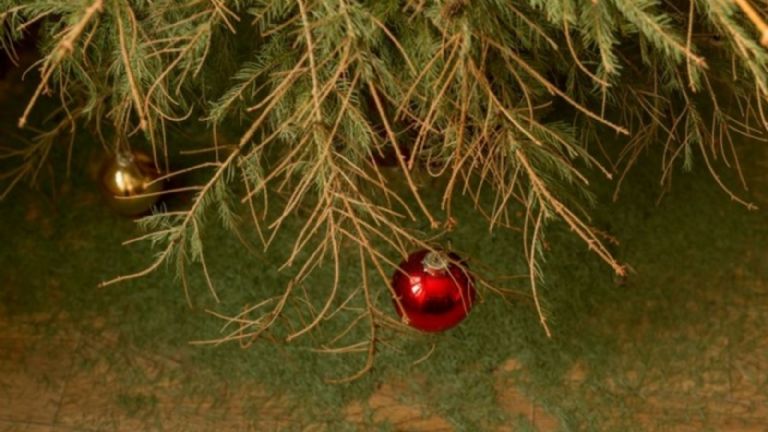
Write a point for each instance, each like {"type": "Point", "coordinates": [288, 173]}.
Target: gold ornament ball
{"type": "Point", "coordinates": [129, 182]}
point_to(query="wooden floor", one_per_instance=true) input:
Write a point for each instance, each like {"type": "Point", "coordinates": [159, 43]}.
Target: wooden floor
{"type": "Point", "coordinates": [69, 382]}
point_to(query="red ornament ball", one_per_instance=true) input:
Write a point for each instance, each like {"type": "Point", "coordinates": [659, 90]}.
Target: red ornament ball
{"type": "Point", "coordinates": [434, 292]}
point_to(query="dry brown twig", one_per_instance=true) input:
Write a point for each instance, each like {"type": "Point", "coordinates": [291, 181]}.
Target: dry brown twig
{"type": "Point", "coordinates": [533, 275]}
{"type": "Point", "coordinates": [578, 226]}
{"type": "Point", "coordinates": [138, 104]}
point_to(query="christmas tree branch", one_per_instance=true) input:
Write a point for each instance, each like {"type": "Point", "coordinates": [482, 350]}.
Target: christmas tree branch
{"type": "Point", "coordinates": [533, 272]}
{"type": "Point", "coordinates": [191, 214]}
{"type": "Point", "coordinates": [552, 88]}
{"type": "Point", "coordinates": [64, 48]}
{"type": "Point", "coordinates": [567, 33]}
{"type": "Point", "coordinates": [371, 343]}
{"type": "Point", "coordinates": [311, 55]}
{"type": "Point", "coordinates": [581, 229]}
{"type": "Point", "coordinates": [756, 19]}
{"type": "Point", "coordinates": [138, 104]}
{"type": "Point", "coordinates": [399, 154]}
{"type": "Point", "coordinates": [34, 156]}
{"type": "Point", "coordinates": [655, 28]}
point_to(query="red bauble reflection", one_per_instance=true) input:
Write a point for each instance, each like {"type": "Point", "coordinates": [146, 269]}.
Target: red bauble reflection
{"type": "Point", "coordinates": [434, 292]}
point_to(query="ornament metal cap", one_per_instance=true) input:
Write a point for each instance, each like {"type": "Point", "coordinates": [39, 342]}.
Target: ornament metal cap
{"type": "Point", "coordinates": [124, 158]}
{"type": "Point", "coordinates": [435, 262]}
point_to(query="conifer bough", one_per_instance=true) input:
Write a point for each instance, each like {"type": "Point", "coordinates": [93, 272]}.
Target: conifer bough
{"type": "Point", "coordinates": [460, 90]}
